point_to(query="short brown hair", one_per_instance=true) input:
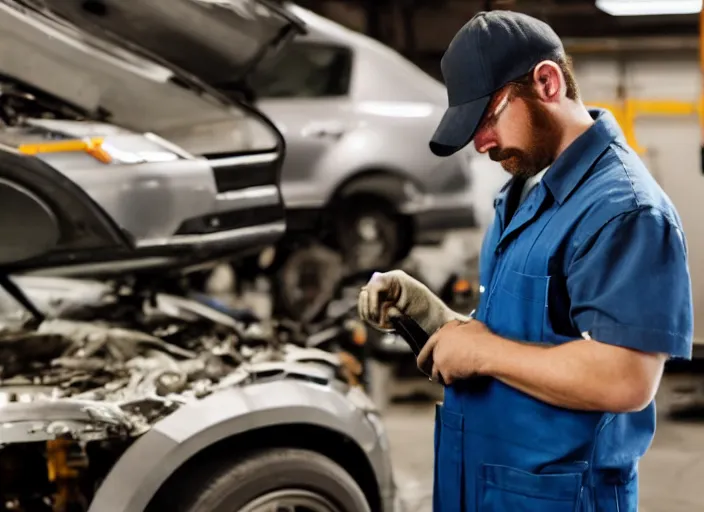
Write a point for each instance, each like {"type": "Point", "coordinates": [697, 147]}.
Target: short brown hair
{"type": "Point", "coordinates": [524, 84]}
{"type": "Point", "coordinates": [568, 72]}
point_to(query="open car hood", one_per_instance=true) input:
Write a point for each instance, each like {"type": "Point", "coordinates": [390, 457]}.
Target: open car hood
{"type": "Point", "coordinates": [218, 41]}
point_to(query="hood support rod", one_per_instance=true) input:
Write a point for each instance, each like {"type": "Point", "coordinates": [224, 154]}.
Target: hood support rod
{"type": "Point", "coordinates": [17, 294]}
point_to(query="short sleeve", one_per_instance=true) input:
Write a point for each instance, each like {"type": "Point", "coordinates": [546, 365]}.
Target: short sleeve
{"type": "Point", "coordinates": [629, 285]}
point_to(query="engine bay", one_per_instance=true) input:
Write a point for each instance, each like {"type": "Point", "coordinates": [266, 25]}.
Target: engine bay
{"type": "Point", "coordinates": [80, 385]}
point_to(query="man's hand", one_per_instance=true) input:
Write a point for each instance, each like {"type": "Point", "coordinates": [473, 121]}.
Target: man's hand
{"type": "Point", "coordinates": [455, 351]}
{"type": "Point", "coordinates": [395, 293]}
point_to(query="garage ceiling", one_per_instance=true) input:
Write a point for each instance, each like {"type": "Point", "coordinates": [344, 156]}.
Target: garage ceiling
{"type": "Point", "coordinates": [422, 29]}
{"type": "Point", "coordinates": [570, 18]}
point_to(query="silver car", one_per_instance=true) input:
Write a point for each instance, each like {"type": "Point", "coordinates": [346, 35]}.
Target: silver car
{"type": "Point", "coordinates": [116, 396]}
{"type": "Point", "coordinates": [357, 118]}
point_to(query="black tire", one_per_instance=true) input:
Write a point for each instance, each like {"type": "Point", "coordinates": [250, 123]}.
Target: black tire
{"type": "Point", "coordinates": [394, 231]}
{"type": "Point", "coordinates": [236, 485]}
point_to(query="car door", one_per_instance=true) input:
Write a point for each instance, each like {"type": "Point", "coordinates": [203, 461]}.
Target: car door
{"type": "Point", "coordinates": [304, 91]}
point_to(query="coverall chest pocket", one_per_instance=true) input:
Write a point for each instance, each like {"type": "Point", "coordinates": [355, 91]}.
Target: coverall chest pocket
{"type": "Point", "coordinates": [506, 489]}
{"type": "Point", "coordinates": [518, 306]}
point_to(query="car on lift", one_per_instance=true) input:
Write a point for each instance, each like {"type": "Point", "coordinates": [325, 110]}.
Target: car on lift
{"type": "Point", "coordinates": [357, 117]}
{"type": "Point", "coordinates": [114, 394]}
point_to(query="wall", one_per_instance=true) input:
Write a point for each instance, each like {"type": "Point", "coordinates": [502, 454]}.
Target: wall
{"type": "Point", "coordinates": [671, 143]}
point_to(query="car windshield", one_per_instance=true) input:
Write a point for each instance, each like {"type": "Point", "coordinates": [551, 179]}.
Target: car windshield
{"type": "Point", "coordinates": [305, 70]}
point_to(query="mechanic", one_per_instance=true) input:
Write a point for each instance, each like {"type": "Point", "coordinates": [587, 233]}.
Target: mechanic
{"type": "Point", "coordinates": [584, 290]}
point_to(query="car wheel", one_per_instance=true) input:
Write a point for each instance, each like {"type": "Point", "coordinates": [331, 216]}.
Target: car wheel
{"type": "Point", "coordinates": [274, 479]}
{"type": "Point", "coordinates": [370, 233]}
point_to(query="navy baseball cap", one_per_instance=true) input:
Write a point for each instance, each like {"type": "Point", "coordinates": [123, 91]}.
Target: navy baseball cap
{"type": "Point", "coordinates": [492, 49]}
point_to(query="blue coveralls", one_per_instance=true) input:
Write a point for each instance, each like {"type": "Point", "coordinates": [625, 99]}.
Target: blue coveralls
{"type": "Point", "coordinates": [596, 249]}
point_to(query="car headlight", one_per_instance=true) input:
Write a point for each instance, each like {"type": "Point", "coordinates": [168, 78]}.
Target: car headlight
{"type": "Point", "coordinates": [114, 148]}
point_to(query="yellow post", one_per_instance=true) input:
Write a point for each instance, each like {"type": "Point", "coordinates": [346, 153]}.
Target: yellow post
{"type": "Point", "coordinates": [700, 106]}
{"type": "Point", "coordinates": [701, 69]}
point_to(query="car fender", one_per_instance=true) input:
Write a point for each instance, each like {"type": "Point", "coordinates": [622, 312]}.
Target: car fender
{"type": "Point", "coordinates": [389, 184]}
{"type": "Point", "coordinates": [146, 465]}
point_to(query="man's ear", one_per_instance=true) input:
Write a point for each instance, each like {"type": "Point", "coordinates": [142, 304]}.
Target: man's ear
{"type": "Point", "coordinates": [547, 79]}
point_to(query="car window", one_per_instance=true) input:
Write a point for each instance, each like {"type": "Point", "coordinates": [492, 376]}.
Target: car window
{"type": "Point", "coordinates": [305, 70]}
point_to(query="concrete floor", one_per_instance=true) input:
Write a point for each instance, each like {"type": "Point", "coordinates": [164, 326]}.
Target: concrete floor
{"type": "Point", "coordinates": [672, 472]}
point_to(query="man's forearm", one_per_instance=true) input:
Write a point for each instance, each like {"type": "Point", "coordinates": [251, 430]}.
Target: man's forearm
{"type": "Point", "coordinates": [576, 375]}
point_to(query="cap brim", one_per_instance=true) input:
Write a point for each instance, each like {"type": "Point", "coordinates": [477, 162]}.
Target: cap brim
{"type": "Point", "coordinates": [458, 126]}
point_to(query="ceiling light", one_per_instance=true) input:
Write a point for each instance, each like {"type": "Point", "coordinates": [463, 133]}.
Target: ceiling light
{"type": "Point", "coordinates": [648, 7]}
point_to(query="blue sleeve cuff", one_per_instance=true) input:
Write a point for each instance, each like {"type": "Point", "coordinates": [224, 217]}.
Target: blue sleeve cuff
{"type": "Point", "coordinates": [644, 339]}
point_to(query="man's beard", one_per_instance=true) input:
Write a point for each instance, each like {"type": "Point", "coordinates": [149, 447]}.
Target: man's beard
{"type": "Point", "coordinates": [545, 135]}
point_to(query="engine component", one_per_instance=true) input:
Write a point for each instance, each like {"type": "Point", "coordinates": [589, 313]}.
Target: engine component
{"type": "Point", "coordinates": [46, 420]}
{"type": "Point", "coordinates": [65, 461]}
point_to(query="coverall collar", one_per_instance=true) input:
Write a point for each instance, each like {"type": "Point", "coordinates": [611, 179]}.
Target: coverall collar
{"type": "Point", "coordinates": [567, 171]}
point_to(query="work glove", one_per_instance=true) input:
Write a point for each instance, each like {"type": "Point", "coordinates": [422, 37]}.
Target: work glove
{"type": "Point", "coordinates": [395, 293]}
